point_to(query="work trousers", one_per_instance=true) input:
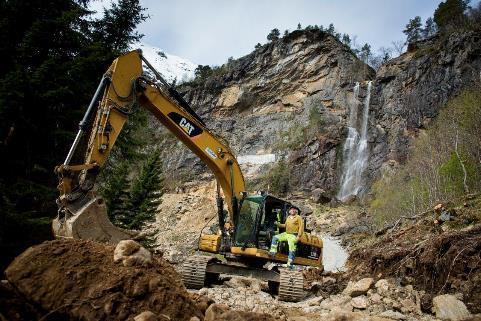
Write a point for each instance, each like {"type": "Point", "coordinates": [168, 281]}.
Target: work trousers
{"type": "Point", "coordinates": [291, 242]}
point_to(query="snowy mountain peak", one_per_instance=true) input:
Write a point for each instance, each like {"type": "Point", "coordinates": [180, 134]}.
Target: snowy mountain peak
{"type": "Point", "coordinates": [171, 67]}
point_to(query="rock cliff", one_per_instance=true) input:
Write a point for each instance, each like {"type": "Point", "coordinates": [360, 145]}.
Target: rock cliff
{"type": "Point", "coordinates": [291, 98]}
{"type": "Point", "coordinates": [410, 90]}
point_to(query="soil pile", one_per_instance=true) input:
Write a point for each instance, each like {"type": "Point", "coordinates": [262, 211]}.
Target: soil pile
{"type": "Point", "coordinates": [76, 279]}
{"type": "Point", "coordinates": [432, 260]}
{"type": "Point", "coordinates": [13, 306]}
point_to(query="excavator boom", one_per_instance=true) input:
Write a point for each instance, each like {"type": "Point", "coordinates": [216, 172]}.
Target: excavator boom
{"type": "Point", "coordinates": [82, 214]}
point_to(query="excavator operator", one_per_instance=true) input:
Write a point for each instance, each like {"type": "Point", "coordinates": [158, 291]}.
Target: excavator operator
{"type": "Point", "coordinates": [294, 228]}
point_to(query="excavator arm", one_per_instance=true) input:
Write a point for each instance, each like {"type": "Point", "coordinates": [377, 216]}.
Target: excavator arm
{"type": "Point", "coordinates": [82, 214]}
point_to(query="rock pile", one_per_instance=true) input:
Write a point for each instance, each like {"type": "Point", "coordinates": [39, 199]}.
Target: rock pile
{"type": "Point", "coordinates": [365, 299]}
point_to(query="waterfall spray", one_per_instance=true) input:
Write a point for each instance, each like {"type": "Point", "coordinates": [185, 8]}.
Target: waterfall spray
{"type": "Point", "coordinates": [355, 151]}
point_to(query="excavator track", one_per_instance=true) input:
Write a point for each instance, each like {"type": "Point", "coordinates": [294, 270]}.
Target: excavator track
{"type": "Point", "coordinates": [291, 286]}
{"type": "Point", "coordinates": [193, 271]}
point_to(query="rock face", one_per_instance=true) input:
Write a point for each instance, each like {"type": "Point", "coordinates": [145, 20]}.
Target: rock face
{"type": "Point", "coordinates": [287, 98]}
{"type": "Point", "coordinates": [291, 98]}
{"type": "Point", "coordinates": [410, 90]}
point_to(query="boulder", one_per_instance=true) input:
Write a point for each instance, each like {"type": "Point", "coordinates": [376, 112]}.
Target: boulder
{"type": "Point", "coordinates": [393, 315]}
{"type": "Point", "coordinates": [318, 195]}
{"type": "Point", "coordinates": [221, 312]}
{"type": "Point", "coordinates": [382, 286]}
{"type": "Point", "coordinates": [244, 282]}
{"type": "Point", "coordinates": [341, 301]}
{"type": "Point", "coordinates": [214, 311]}
{"type": "Point", "coordinates": [147, 316]}
{"type": "Point", "coordinates": [358, 288]}
{"type": "Point", "coordinates": [315, 301]}
{"type": "Point", "coordinates": [448, 307]}
{"type": "Point", "coordinates": [132, 253]}
{"type": "Point", "coordinates": [360, 302]}
{"type": "Point", "coordinates": [376, 298]}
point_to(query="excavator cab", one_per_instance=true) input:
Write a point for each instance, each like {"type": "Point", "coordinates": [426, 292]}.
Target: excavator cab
{"type": "Point", "coordinates": [256, 222]}
{"type": "Point", "coordinates": [255, 228]}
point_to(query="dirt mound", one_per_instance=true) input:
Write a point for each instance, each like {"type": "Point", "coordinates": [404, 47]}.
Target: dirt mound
{"type": "Point", "coordinates": [76, 279]}
{"type": "Point", "coordinates": [435, 261]}
{"type": "Point", "coordinates": [13, 306]}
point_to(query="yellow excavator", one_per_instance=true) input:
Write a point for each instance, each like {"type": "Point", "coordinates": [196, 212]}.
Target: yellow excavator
{"type": "Point", "coordinates": [244, 234]}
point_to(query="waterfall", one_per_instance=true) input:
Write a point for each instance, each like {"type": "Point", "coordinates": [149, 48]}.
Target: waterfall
{"type": "Point", "coordinates": [355, 152]}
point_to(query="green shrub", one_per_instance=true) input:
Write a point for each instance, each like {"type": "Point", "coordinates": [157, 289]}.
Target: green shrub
{"type": "Point", "coordinates": [276, 180]}
{"type": "Point", "coordinates": [297, 135]}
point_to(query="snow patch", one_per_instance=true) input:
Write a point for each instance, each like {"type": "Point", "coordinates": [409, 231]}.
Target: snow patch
{"type": "Point", "coordinates": [171, 67]}
{"type": "Point", "coordinates": [256, 159]}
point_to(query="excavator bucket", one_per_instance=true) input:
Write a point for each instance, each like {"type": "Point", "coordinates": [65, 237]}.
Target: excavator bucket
{"type": "Point", "coordinates": [90, 222]}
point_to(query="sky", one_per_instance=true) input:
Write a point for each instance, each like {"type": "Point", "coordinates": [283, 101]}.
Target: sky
{"type": "Point", "coordinates": [208, 32]}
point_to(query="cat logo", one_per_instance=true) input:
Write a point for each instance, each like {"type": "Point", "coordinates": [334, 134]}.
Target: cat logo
{"type": "Point", "coordinates": [188, 127]}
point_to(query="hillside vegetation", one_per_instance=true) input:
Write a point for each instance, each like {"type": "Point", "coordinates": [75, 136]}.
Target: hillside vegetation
{"type": "Point", "coordinates": [444, 163]}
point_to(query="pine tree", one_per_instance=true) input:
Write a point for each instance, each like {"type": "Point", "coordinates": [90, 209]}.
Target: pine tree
{"type": "Point", "coordinates": [117, 28]}
{"type": "Point", "coordinates": [365, 53]}
{"type": "Point", "coordinates": [145, 193]}
{"type": "Point", "coordinates": [430, 28]}
{"type": "Point", "coordinates": [331, 30]}
{"type": "Point", "coordinates": [299, 27]}
{"type": "Point", "coordinates": [413, 30]}
{"type": "Point", "coordinates": [202, 72]}
{"type": "Point", "coordinates": [273, 35]}
{"type": "Point", "coordinates": [115, 191]}
{"type": "Point", "coordinates": [450, 14]}
{"type": "Point", "coordinates": [257, 46]}
{"type": "Point", "coordinates": [346, 40]}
